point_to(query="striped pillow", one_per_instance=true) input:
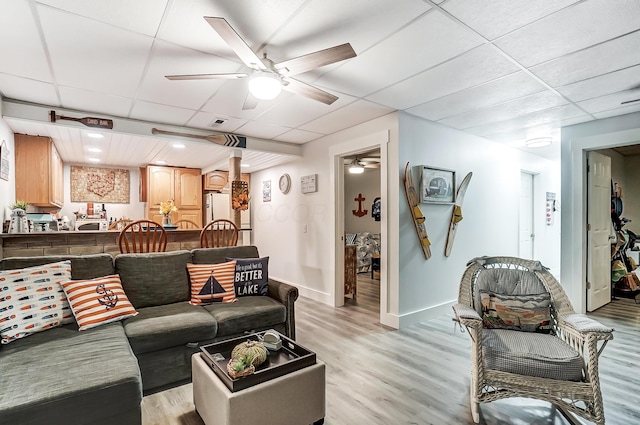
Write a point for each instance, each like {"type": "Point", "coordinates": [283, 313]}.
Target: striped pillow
{"type": "Point", "coordinates": [212, 283]}
{"type": "Point", "coordinates": [529, 313]}
{"type": "Point", "coordinates": [98, 301]}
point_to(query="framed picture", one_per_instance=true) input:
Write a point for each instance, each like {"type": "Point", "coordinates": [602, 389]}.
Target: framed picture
{"type": "Point", "coordinates": [266, 191]}
{"type": "Point", "coordinates": [437, 185]}
{"type": "Point", "coordinates": [4, 161]}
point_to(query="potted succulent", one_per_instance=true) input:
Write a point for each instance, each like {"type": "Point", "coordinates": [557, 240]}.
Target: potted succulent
{"type": "Point", "coordinates": [20, 205]}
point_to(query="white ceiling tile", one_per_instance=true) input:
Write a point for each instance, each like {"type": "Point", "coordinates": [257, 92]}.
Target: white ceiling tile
{"type": "Point", "coordinates": [91, 55]}
{"type": "Point", "coordinates": [37, 92]}
{"type": "Point", "coordinates": [206, 119]}
{"type": "Point", "coordinates": [262, 130]}
{"type": "Point", "coordinates": [160, 113]}
{"type": "Point", "coordinates": [352, 114]}
{"type": "Point", "coordinates": [100, 103]}
{"type": "Point", "coordinates": [609, 102]}
{"type": "Point", "coordinates": [498, 17]}
{"type": "Point", "coordinates": [571, 29]}
{"type": "Point", "coordinates": [627, 109]}
{"type": "Point", "coordinates": [141, 16]}
{"type": "Point", "coordinates": [613, 55]}
{"type": "Point", "coordinates": [497, 91]}
{"type": "Point", "coordinates": [228, 100]}
{"type": "Point", "coordinates": [506, 110]}
{"type": "Point", "coordinates": [298, 136]}
{"type": "Point", "coordinates": [626, 79]}
{"type": "Point", "coordinates": [21, 49]}
{"type": "Point", "coordinates": [438, 37]}
{"type": "Point", "coordinates": [476, 67]}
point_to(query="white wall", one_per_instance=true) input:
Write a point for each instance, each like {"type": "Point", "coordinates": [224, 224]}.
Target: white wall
{"type": "Point", "coordinates": [134, 209]}
{"type": "Point", "coordinates": [367, 184]}
{"type": "Point", "coordinates": [576, 140]}
{"type": "Point", "coordinates": [7, 187]}
{"type": "Point", "coordinates": [490, 211]}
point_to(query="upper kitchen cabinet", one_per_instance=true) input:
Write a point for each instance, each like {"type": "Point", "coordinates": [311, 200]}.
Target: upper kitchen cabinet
{"type": "Point", "coordinates": [183, 185]}
{"type": "Point", "coordinates": [39, 172]}
{"type": "Point", "coordinates": [218, 181]}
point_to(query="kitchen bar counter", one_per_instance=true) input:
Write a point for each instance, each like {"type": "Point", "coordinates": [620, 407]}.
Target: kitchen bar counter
{"type": "Point", "coordinates": [86, 242]}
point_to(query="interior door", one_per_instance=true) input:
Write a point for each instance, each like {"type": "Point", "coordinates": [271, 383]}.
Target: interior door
{"type": "Point", "coordinates": [598, 231]}
{"type": "Point", "coordinates": [525, 247]}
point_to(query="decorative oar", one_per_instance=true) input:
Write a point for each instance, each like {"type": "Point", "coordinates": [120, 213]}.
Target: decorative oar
{"type": "Point", "coordinates": [220, 139]}
{"type": "Point", "coordinates": [88, 121]}
{"type": "Point", "coordinates": [456, 214]}
{"type": "Point", "coordinates": [416, 212]}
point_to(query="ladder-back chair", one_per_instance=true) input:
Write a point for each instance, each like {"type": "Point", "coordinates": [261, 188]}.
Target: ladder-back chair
{"type": "Point", "coordinates": [142, 236]}
{"type": "Point", "coordinates": [186, 224]}
{"type": "Point", "coordinates": [219, 233]}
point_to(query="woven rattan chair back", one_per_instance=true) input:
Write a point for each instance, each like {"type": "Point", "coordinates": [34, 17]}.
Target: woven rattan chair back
{"type": "Point", "coordinates": [219, 233]}
{"type": "Point", "coordinates": [142, 236]}
{"type": "Point", "coordinates": [186, 224]}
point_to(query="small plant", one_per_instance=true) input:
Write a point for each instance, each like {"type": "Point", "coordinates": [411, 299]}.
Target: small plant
{"type": "Point", "coordinates": [23, 205]}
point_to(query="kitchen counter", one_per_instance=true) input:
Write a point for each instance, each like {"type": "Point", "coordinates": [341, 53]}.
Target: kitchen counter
{"type": "Point", "coordinates": [86, 242]}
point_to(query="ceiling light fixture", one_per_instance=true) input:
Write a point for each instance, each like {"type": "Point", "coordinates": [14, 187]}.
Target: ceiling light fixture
{"type": "Point", "coordinates": [95, 135]}
{"type": "Point", "coordinates": [161, 162]}
{"type": "Point", "coordinates": [94, 160]}
{"type": "Point", "coordinates": [265, 85]}
{"type": "Point", "coordinates": [95, 150]}
{"type": "Point", "coordinates": [538, 142]}
{"type": "Point", "coordinates": [179, 145]}
{"type": "Point", "coordinates": [355, 167]}
{"type": "Point", "coordinates": [245, 165]}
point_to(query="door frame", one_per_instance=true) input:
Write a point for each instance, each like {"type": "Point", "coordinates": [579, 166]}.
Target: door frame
{"type": "Point", "coordinates": [533, 176]}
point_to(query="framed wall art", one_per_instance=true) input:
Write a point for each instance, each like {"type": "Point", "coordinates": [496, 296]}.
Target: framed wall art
{"type": "Point", "coordinates": [266, 191]}
{"type": "Point", "coordinates": [437, 185]}
{"type": "Point", "coordinates": [4, 161]}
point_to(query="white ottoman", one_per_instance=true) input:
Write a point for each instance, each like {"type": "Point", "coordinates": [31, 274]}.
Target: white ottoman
{"type": "Point", "coordinates": [297, 398]}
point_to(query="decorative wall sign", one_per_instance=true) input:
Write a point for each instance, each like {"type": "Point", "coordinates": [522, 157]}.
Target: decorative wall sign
{"type": "Point", "coordinates": [4, 161]}
{"type": "Point", "coordinates": [239, 195]}
{"type": "Point", "coordinates": [104, 185]}
{"type": "Point", "coordinates": [437, 185]}
{"type": "Point", "coordinates": [550, 207]}
{"type": "Point", "coordinates": [266, 191]}
{"type": "Point", "coordinates": [309, 184]}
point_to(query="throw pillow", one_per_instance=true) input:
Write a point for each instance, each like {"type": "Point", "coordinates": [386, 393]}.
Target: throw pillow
{"type": "Point", "coordinates": [32, 300]}
{"type": "Point", "coordinates": [530, 313]}
{"type": "Point", "coordinates": [251, 276]}
{"type": "Point", "coordinates": [98, 301]}
{"type": "Point", "coordinates": [212, 283]}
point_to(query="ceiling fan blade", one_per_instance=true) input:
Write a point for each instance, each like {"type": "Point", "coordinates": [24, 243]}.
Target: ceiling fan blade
{"type": "Point", "coordinates": [298, 87]}
{"type": "Point", "coordinates": [237, 44]}
{"type": "Point", "coordinates": [630, 101]}
{"type": "Point", "coordinates": [232, 76]}
{"type": "Point", "coordinates": [315, 60]}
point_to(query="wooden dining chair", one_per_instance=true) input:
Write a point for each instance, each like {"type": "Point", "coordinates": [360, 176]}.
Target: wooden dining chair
{"type": "Point", "coordinates": [142, 236]}
{"type": "Point", "coordinates": [186, 224]}
{"type": "Point", "coordinates": [120, 224]}
{"type": "Point", "coordinates": [219, 233]}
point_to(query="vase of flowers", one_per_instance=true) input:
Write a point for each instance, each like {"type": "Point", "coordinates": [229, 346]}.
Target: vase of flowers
{"type": "Point", "coordinates": [166, 208]}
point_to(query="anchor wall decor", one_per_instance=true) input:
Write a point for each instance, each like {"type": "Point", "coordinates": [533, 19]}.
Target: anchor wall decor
{"type": "Point", "coordinates": [359, 212]}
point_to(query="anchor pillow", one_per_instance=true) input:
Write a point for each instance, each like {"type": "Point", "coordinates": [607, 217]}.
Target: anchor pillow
{"type": "Point", "coordinates": [251, 276]}
{"type": "Point", "coordinates": [98, 301]}
{"type": "Point", "coordinates": [212, 283]}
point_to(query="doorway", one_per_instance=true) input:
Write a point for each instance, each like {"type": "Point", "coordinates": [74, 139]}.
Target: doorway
{"type": "Point", "coordinates": [526, 232]}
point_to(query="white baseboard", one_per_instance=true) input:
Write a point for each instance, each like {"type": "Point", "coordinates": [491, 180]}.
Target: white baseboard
{"type": "Point", "coordinates": [428, 313]}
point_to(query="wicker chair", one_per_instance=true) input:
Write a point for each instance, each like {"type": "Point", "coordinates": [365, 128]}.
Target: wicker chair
{"type": "Point", "coordinates": [219, 233]}
{"type": "Point", "coordinates": [560, 366]}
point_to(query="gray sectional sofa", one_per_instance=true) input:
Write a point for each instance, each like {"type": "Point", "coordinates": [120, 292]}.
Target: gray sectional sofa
{"type": "Point", "coordinates": [99, 376]}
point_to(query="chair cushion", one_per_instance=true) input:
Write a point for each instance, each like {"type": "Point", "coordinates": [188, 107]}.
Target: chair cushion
{"type": "Point", "coordinates": [164, 326]}
{"type": "Point", "coordinates": [530, 354]}
{"type": "Point", "coordinates": [248, 313]}
{"type": "Point", "coordinates": [505, 281]}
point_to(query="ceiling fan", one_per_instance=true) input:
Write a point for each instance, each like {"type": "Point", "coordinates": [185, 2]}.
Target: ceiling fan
{"type": "Point", "coordinates": [357, 165]}
{"type": "Point", "coordinates": [269, 76]}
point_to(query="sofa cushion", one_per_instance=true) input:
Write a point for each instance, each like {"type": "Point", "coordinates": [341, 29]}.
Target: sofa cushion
{"type": "Point", "coordinates": [82, 266]}
{"type": "Point", "coordinates": [251, 276]}
{"type": "Point", "coordinates": [66, 375]}
{"type": "Point", "coordinates": [32, 300]}
{"type": "Point", "coordinates": [531, 354]}
{"type": "Point", "coordinates": [159, 327]}
{"type": "Point", "coordinates": [154, 278]}
{"type": "Point", "coordinates": [248, 313]}
{"type": "Point", "coordinates": [98, 301]}
{"type": "Point", "coordinates": [219, 255]}
{"type": "Point", "coordinates": [212, 283]}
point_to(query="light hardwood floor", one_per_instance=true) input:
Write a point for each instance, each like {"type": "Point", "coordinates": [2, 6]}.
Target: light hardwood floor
{"type": "Point", "coordinates": [420, 375]}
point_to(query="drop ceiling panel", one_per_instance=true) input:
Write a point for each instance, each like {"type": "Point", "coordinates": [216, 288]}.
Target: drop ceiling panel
{"type": "Point", "coordinates": [438, 38]}
{"type": "Point", "coordinates": [507, 110]}
{"type": "Point", "coordinates": [571, 29]}
{"type": "Point", "coordinates": [355, 113]}
{"type": "Point", "coordinates": [142, 16]}
{"type": "Point", "coordinates": [627, 109]}
{"type": "Point", "coordinates": [105, 65]}
{"type": "Point", "coordinates": [609, 102]}
{"type": "Point", "coordinates": [206, 120]}
{"type": "Point", "coordinates": [21, 50]}
{"type": "Point", "coordinates": [36, 91]}
{"type": "Point", "coordinates": [626, 79]}
{"type": "Point", "coordinates": [262, 130]}
{"type": "Point", "coordinates": [498, 17]}
{"type": "Point", "coordinates": [228, 100]}
{"type": "Point", "coordinates": [98, 103]}
{"type": "Point", "coordinates": [298, 110]}
{"type": "Point", "coordinates": [154, 112]}
{"type": "Point", "coordinates": [473, 68]}
{"type": "Point", "coordinates": [298, 136]}
{"type": "Point", "coordinates": [603, 58]}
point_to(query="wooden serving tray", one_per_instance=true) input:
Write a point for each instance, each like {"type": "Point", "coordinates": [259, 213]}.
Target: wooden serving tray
{"type": "Point", "coordinates": [289, 358]}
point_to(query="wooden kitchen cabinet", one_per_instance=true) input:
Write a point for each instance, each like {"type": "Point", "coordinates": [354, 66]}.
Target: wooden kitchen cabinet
{"type": "Point", "coordinates": [218, 181]}
{"type": "Point", "coordinates": [39, 172]}
{"type": "Point", "coordinates": [183, 185]}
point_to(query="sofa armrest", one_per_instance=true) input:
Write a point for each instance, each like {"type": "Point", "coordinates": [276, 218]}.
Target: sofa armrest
{"type": "Point", "coordinates": [287, 295]}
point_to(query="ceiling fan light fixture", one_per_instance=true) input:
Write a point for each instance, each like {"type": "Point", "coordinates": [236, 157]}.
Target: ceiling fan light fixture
{"type": "Point", "coordinates": [355, 167]}
{"type": "Point", "coordinates": [265, 85]}
{"type": "Point", "coordinates": [538, 142]}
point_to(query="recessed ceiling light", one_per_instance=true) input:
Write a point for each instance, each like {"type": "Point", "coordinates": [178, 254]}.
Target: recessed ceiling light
{"type": "Point", "coordinates": [95, 150]}
{"type": "Point", "coordinates": [161, 162]}
{"type": "Point", "coordinates": [245, 165]}
{"type": "Point", "coordinates": [95, 135]}
{"type": "Point", "coordinates": [538, 142]}
{"type": "Point", "coordinates": [94, 160]}
{"type": "Point", "coordinates": [179, 145]}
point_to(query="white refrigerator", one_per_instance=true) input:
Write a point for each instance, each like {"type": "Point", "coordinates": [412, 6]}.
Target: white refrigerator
{"type": "Point", "coordinates": [218, 205]}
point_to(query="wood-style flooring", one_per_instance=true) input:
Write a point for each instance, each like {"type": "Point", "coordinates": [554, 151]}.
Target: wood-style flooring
{"type": "Point", "coordinates": [420, 375]}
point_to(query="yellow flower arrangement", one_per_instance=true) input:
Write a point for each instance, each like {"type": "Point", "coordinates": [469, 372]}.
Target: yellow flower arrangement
{"type": "Point", "coordinates": [240, 195]}
{"type": "Point", "coordinates": [168, 207]}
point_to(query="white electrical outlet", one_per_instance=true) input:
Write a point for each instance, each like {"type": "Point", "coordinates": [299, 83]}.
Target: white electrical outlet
{"type": "Point", "coordinates": [304, 229]}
